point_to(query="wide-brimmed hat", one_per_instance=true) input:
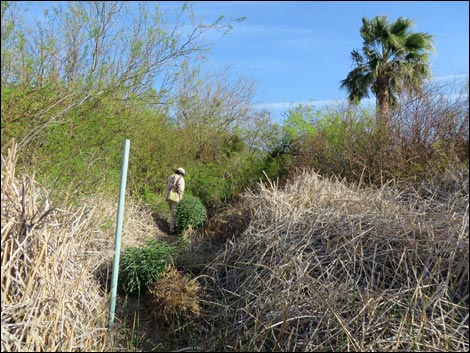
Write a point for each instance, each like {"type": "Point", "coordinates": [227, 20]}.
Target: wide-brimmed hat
{"type": "Point", "coordinates": [181, 170]}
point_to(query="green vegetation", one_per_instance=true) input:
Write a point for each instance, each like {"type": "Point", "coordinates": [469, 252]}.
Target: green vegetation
{"type": "Point", "coordinates": [140, 267]}
{"type": "Point", "coordinates": [74, 87]}
{"type": "Point", "coordinates": [189, 213]}
{"type": "Point", "coordinates": [70, 125]}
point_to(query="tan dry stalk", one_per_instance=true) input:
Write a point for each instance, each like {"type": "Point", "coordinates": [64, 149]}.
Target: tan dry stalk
{"type": "Point", "coordinates": [50, 298]}
{"type": "Point", "coordinates": [359, 269]}
{"type": "Point", "coordinates": [174, 296]}
{"type": "Point", "coordinates": [51, 258]}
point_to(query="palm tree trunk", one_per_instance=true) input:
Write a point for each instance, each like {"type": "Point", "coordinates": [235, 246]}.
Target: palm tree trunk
{"type": "Point", "coordinates": [382, 104]}
{"type": "Point", "coordinates": [382, 114]}
{"type": "Point", "coordinates": [382, 130]}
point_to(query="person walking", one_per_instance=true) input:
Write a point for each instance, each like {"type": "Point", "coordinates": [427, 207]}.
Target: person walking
{"type": "Point", "coordinates": [175, 183]}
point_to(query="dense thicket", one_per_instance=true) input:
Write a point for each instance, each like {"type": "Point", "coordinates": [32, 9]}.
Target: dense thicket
{"type": "Point", "coordinates": [79, 83]}
{"type": "Point", "coordinates": [76, 84]}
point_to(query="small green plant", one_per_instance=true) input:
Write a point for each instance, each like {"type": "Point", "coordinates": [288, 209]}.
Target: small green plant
{"type": "Point", "coordinates": [140, 267]}
{"type": "Point", "coordinates": [190, 212]}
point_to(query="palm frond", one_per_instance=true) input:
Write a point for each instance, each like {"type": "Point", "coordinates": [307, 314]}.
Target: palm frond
{"type": "Point", "coordinates": [392, 58]}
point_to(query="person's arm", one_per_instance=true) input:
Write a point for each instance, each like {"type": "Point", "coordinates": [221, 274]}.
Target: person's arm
{"type": "Point", "coordinates": [181, 186]}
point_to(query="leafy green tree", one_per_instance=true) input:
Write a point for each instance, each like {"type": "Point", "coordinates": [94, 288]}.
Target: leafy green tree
{"type": "Point", "coordinates": [299, 122]}
{"type": "Point", "coordinates": [81, 52]}
{"type": "Point", "coordinates": [393, 59]}
{"type": "Point", "coordinates": [78, 82]}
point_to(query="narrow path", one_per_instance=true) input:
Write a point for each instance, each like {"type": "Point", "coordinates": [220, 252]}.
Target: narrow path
{"type": "Point", "coordinates": [143, 332]}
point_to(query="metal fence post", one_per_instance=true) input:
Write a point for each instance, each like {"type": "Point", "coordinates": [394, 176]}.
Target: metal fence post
{"type": "Point", "coordinates": [117, 241]}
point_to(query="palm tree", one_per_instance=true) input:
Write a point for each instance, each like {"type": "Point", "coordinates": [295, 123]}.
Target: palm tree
{"type": "Point", "coordinates": [392, 59]}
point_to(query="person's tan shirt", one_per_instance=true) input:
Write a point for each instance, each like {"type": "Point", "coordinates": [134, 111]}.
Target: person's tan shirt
{"type": "Point", "coordinates": [172, 179]}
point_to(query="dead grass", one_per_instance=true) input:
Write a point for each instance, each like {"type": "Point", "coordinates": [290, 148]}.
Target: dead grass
{"type": "Point", "coordinates": [174, 296]}
{"type": "Point", "coordinates": [329, 266]}
{"type": "Point", "coordinates": [51, 298]}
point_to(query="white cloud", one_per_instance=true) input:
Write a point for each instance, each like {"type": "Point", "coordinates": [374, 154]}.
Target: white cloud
{"type": "Point", "coordinates": [316, 103]}
{"type": "Point", "coordinates": [333, 102]}
{"type": "Point", "coordinates": [450, 77]}
{"type": "Point", "coordinates": [278, 108]}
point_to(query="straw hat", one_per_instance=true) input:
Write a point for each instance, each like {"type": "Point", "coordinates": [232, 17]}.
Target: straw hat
{"type": "Point", "coordinates": [181, 170]}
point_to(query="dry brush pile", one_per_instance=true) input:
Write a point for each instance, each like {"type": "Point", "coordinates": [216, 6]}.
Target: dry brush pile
{"type": "Point", "coordinates": [50, 300]}
{"type": "Point", "coordinates": [324, 267]}
{"type": "Point", "coordinates": [51, 297]}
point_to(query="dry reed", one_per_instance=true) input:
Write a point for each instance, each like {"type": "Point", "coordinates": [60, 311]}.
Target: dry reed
{"type": "Point", "coordinates": [174, 296]}
{"type": "Point", "coordinates": [325, 266]}
{"type": "Point", "coordinates": [51, 298]}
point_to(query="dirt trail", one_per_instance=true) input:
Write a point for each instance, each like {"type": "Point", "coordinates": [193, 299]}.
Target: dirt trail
{"type": "Point", "coordinates": [203, 245]}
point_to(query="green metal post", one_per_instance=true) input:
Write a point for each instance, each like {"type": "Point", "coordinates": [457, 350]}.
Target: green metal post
{"type": "Point", "coordinates": [117, 241]}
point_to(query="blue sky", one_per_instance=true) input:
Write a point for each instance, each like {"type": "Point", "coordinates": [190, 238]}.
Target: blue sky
{"type": "Point", "coordinates": [299, 51]}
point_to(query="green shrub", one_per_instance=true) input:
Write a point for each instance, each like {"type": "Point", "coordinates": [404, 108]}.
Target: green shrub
{"type": "Point", "coordinates": [141, 266]}
{"type": "Point", "coordinates": [190, 212]}
{"type": "Point", "coordinates": [209, 183]}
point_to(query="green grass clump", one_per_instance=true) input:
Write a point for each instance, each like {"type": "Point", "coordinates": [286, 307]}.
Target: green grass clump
{"type": "Point", "coordinates": [141, 266]}
{"type": "Point", "coordinates": [189, 213]}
